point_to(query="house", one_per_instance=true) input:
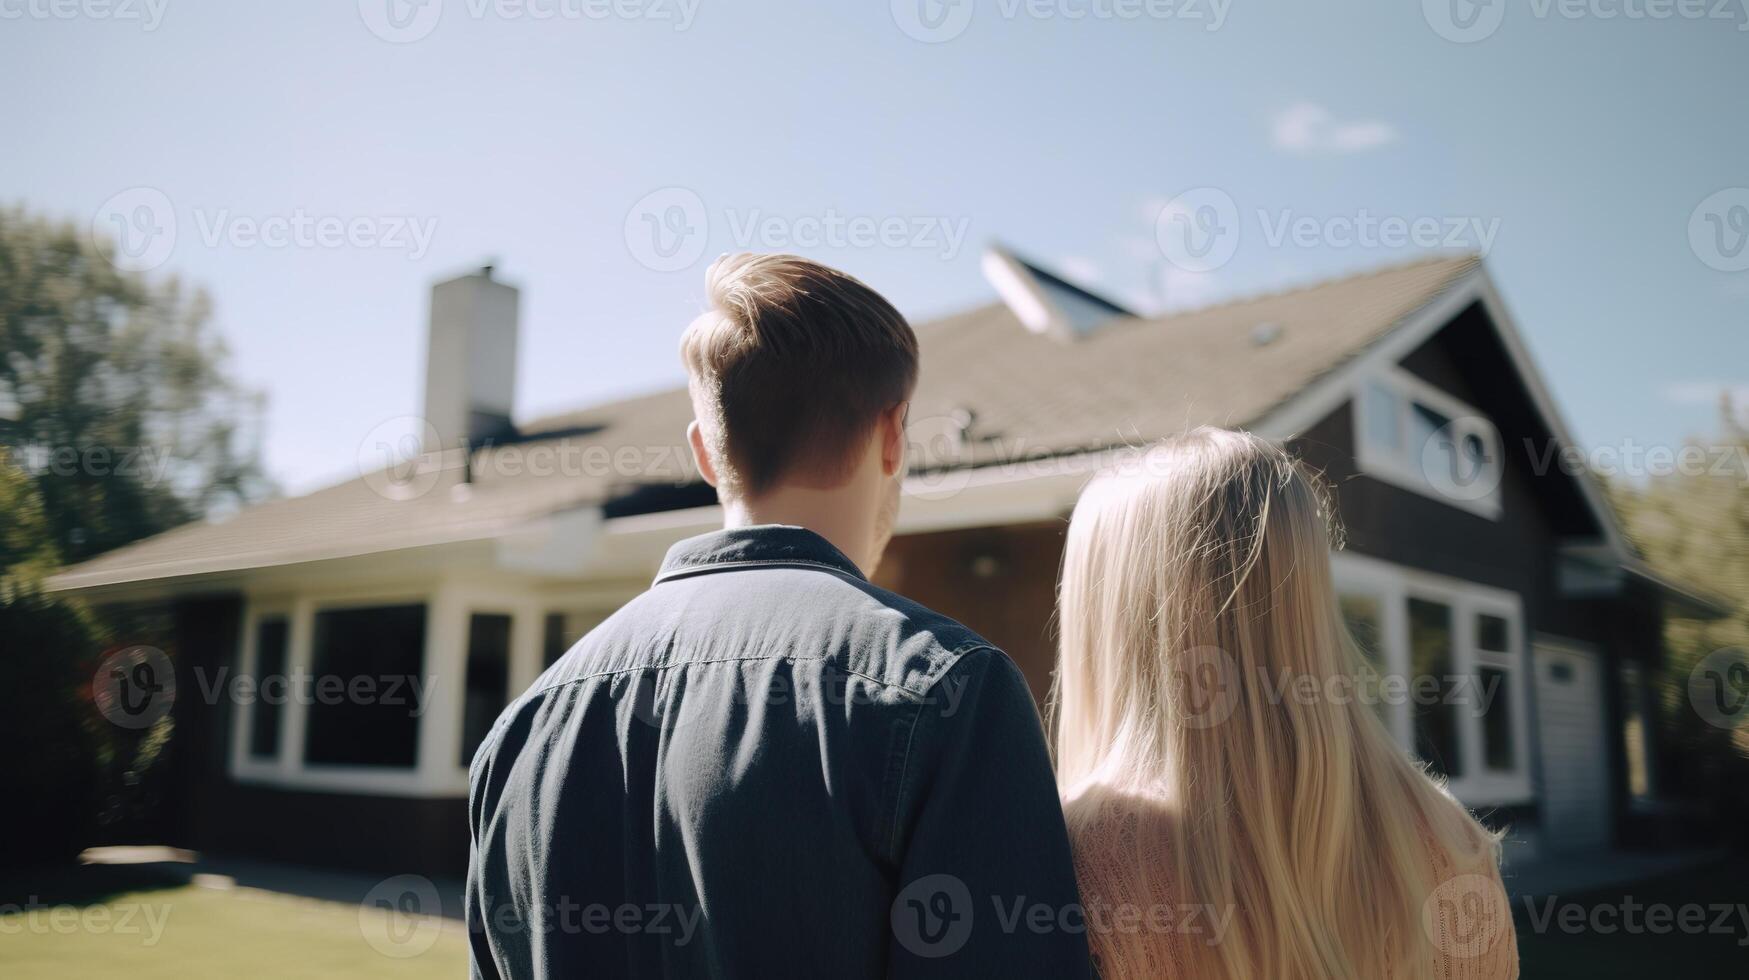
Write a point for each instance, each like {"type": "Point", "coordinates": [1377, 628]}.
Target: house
{"type": "Point", "coordinates": [430, 591]}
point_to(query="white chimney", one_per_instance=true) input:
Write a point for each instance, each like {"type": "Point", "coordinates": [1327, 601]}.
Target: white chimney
{"type": "Point", "coordinates": [470, 360]}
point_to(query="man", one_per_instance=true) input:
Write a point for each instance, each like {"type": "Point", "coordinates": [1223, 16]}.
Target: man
{"type": "Point", "coordinates": [765, 766]}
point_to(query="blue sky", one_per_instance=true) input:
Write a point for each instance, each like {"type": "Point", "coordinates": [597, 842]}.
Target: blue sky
{"type": "Point", "coordinates": [1581, 142]}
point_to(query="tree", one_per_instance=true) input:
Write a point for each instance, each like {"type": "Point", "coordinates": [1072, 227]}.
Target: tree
{"type": "Point", "coordinates": [118, 420]}
{"type": "Point", "coordinates": [114, 394]}
{"type": "Point", "coordinates": [1694, 526]}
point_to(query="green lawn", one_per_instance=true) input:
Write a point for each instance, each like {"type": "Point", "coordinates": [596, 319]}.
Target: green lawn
{"type": "Point", "coordinates": [1596, 943]}
{"type": "Point", "coordinates": [127, 923]}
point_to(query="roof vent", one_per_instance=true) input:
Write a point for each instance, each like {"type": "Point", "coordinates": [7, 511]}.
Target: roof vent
{"type": "Point", "coordinates": [1265, 334]}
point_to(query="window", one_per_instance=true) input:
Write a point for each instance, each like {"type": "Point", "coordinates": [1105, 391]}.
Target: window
{"type": "Point", "coordinates": [368, 665]}
{"type": "Point", "coordinates": [562, 630]}
{"type": "Point", "coordinates": [1415, 436]}
{"type": "Point", "coordinates": [1494, 669]}
{"type": "Point", "coordinates": [488, 677]}
{"type": "Point", "coordinates": [1496, 710]}
{"type": "Point", "coordinates": [555, 641]}
{"type": "Point", "coordinates": [1382, 417]}
{"type": "Point", "coordinates": [270, 663]}
{"type": "Point", "coordinates": [1635, 734]}
{"type": "Point", "coordinates": [1452, 654]}
{"type": "Point", "coordinates": [1364, 617]}
{"type": "Point", "coordinates": [1433, 682]}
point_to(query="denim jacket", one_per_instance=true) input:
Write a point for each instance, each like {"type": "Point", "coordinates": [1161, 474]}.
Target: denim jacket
{"type": "Point", "coordinates": [765, 766]}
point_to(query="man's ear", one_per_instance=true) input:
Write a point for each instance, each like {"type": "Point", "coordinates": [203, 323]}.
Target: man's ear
{"type": "Point", "coordinates": [700, 458]}
{"type": "Point", "coordinates": [892, 435]}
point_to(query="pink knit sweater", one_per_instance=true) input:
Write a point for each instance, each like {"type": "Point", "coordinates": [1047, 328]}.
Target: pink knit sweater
{"type": "Point", "coordinates": [1139, 929]}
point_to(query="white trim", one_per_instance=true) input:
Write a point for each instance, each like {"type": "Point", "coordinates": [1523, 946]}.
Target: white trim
{"type": "Point", "coordinates": [1402, 469]}
{"type": "Point", "coordinates": [1392, 585]}
{"type": "Point", "coordinates": [1315, 402]}
{"type": "Point", "coordinates": [288, 770]}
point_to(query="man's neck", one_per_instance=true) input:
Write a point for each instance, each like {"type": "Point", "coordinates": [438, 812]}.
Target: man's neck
{"type": "Point", "coordinates": [834, 515]}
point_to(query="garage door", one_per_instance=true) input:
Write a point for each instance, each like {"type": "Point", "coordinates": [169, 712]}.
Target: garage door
{"type": "Point", "coordinates": [1575, 747]}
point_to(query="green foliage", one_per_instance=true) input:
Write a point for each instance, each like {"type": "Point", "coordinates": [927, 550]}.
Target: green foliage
{"type": "Point", "coordinates": [1694, 527]}
{"type": "Point", "coordinates": [114, 393]}
{"type": "Point", "coordinates": [117, 420]}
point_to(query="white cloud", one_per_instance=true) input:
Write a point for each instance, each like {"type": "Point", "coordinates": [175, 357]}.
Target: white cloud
{"type": "Point", "coordinates": [1707, 392]}
{"type": "Point", "coordinates": [1182, 289]}
{"type": "Point", "coordinates": [1307, 127]}
{"type": "Point", "coordinates": [1079, 269]}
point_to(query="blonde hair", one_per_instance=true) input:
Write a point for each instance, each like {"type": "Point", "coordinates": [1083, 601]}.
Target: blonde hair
{"type": "Point", "coordinates": [1195, 578]}
{"type": "Point", "coordinates": [790, 369]}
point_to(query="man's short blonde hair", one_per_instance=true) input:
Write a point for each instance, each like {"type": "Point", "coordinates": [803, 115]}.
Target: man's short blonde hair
{"type": "Point", "coordinates": [790, 369]}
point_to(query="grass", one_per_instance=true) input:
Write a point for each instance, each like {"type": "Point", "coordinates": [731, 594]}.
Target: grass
{"type": "Point", "coordinates": [118, 921]}
{"type": "Point", "coordinates": [134, 922]}
{"type": "Point", "coordinates": [1598, 944]}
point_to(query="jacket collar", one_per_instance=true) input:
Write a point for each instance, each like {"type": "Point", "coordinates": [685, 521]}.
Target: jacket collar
{"type": "Point", "coordinates": [771, 545]}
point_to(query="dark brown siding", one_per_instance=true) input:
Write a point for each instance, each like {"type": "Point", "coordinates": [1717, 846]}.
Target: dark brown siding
{"type": "Point", "coordinates": [999, 581]}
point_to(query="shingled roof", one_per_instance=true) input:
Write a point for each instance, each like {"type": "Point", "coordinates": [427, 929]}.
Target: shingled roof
{"type": "Point", "coordinates": [1004, 391]}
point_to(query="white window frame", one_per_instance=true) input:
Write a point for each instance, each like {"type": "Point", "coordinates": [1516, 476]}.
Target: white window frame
{"type": "Point", "coordinates": [1403, 469]}
{"type": "Point", "coordinates": [1392, 586]}
{"type": "Point", "coordinates": [289, 770]}
{"type": "Point", "coordinates": [438, 771]}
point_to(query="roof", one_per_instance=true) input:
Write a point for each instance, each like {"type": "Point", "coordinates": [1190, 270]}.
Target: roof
{"type": "Point", "coordinates": [993, 390]}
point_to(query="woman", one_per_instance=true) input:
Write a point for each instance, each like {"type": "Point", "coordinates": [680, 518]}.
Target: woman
{"type": "Point", "coordinates": [1237, 810]}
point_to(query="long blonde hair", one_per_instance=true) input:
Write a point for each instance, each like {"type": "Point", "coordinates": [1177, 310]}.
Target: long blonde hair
{"type": "Point", "coordinates": [1196, 580]}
